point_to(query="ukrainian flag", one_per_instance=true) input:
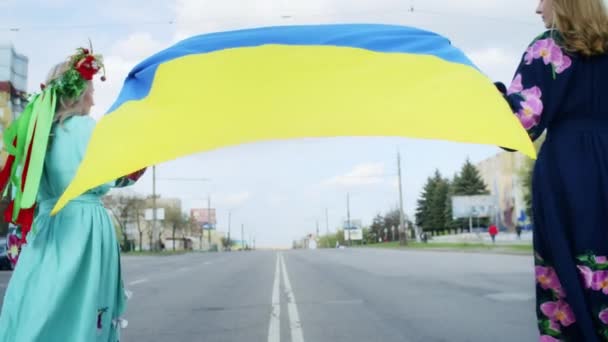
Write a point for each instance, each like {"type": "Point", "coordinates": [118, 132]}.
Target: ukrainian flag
{"type": "Point", "coordinates": [274, 83]}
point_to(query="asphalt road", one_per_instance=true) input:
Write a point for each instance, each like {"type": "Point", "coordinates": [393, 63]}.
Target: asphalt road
{"type": "Point", "coordinates": [329, 295]}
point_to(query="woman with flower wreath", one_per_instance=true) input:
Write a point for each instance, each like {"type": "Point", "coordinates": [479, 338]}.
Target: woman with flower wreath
{"type": "Point", "coordinates": [561, 86]}
{"type": "Point", "coordinates": [67, 285]}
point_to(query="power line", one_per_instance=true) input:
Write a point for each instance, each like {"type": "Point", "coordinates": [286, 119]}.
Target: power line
{"type": "Point", "coordinates": [412, 10]}
{"type": "Point", "coordinates": [82, 26]}
{"type": "Point", "coordinates": [178, 179]}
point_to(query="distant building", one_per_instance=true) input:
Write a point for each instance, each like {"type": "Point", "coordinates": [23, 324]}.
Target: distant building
{"type": "Point", "coordinates": [502, 174]}
{"type": "Point", "coordinates": [13, 98]}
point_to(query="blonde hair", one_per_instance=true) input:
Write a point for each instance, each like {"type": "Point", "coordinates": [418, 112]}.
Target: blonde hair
{"type": "Point", "coordinates": [583, 25]}
{"type": "Point", "coordinates": [66, 107]}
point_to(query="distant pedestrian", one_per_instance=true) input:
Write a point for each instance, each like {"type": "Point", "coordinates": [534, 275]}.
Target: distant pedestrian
{"type": "Point", "coordinates": [518, 230]}
{"type": "Point", "coordinates": [493, 231]}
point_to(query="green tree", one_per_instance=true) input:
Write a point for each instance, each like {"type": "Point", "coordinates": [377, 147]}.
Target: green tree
{"type": "Point", "coordinates": [439, 201]}
{"type": "Point", "coordinates": [176, 220]}
{"type": "Point", "coordinates": [377, 227]}
{"type": "Point", "coordinates": [469, 182]}
{"type": "Point", "coordinates": [431, 209]}
{"type": "Point", "coordinates": [125, 209]}
{"type": "Point", "coordinates": [391, 219]}
{"type": "Point", "coordinates": [424, 205]}
{"type": "Point", "coordinates": [526, 176]}
{"type": "Point", "coordinates": [448, 213]}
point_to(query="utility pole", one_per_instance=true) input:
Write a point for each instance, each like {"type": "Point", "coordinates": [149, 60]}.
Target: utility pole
{"type": "Point", "coordinates": [155, 245]}
{"type": "Point", "coordinates": [210, 221]}
{"type": "Point", "coordinates": [327, 226]}
{"type": "Point", "coordinates": [402, 228]}
{"type": "Point", "coordinates": [229, 238]}
{"type": "Point", "coordinates": [348, 217]}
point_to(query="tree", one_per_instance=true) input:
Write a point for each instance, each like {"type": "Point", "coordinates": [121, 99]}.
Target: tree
{"type": "Point", "coordinates": [369, 237]}
{"type": "Point", "coordinates": [430, 213]}
{"type": "Point", "coordinates": [439, 202]}
{"type": "Point", "coordinates": [227, 242]}
{"type": "Point", "coordinates": [469, 182]}
{"type": "Point", "coordinates": [424, 204]}
{"type": "Point", "coordinates": [138, 208]}
{"type": "Point", "coordinates": [391, 219]}
{"type": "Point", "coordinates": [175, 219]}
{"type": "Point", "coordinates": [448, 213]}
{"type": "Point", "coordinates": [377, 227]}
{"type": "Point", "coordinates": [526, 176]}
{"type": "Point", "coordinates": [124, 209]}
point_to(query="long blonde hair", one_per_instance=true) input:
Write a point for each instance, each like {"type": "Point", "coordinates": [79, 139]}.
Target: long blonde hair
{"type": "Point", "coordinates": [66, 107]}
{"type": "Point", "coordinates": [583, 25]}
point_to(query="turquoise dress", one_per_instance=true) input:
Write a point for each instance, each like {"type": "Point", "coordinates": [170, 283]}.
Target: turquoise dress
{"type": "Point", "coordinates": [67, 285]}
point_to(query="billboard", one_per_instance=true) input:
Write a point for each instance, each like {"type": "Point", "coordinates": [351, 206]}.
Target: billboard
{"type": "Point", "coordinates": [473, 206]}
{"type": "Point", "coordinates": [353, 234]}
{"type": "Point", "coordinates": [353, 224]}
{"type": "Point", "coordinates": [206, 218]}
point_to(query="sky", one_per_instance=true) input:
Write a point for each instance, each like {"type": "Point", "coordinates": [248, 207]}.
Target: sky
{"type": "Point", "coordinates": [277, 190]}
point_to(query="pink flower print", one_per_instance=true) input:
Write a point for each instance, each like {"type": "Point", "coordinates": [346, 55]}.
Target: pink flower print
{"type": "Point", "coordinates": [545, 49]}
{"type": "Point", "coordinates": [600, 281]}
{"type": "Point", "coordinates": [558, 311]}
{"type": "Point", "coordinates": [548, 280]}
{"type": "Point", "coordinates": [14, 245]}
{"type": "Point", "coordinates": [601, 259]}
{"type": "Point", "coordinates": [529, 56]}
{"type": "Point", "coordinates": [547, 338]}
{"type": "Point", "coordinates": [516, 85]}
{"type": "Point", "coordinates": [604, 316]}
{"type": "Point", "coordinates": [562, 64]}
{"type": "Point", "coordinates": [587, 275]}
{"type": "Point", "coordinates": [550, 52]}
{"type": "Point", "coordinates": [531, 107]}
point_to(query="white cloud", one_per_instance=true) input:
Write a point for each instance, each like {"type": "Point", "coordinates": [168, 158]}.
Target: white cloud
{"type": "Point", "coordinates": [364, 174]}
{"type": "Point", "coordinates": [499, 63]}
{"type": "Point", "coordinates": [233, 200]}
{"type": "Point", "coordinates": [124, 56]}
{"type": "Point", "coordinates": [137, 46]}
{"type": "Point", "coordinates": [490, 57]}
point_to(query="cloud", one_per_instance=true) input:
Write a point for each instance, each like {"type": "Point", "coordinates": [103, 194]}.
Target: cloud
{"type": "Point", "coordinates": [498, 62]}
{"type": "Point", "coordinates": [137, 46]}
{"type": "Point", "coordinates": [364, 174]}
{"type": "Point", "coordinates": [493, 57]}
{"type": "Point", "coordinates": [233, 200]}
{"type": "Point", "coordinates": [124, 55]}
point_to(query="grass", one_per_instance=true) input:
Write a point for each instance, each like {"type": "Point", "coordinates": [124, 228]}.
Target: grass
{"type": "Point", "coordinates": [459, 246]}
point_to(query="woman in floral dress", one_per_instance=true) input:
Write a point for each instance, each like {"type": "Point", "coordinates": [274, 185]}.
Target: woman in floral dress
{"type": "Point", "coordinates": [561, 86]}
{"type": "Point", "coordinates": [67, 285]}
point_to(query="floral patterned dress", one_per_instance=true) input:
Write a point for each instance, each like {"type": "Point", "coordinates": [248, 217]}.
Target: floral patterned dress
{"type": "Point", "coordinates": [567, 95]}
